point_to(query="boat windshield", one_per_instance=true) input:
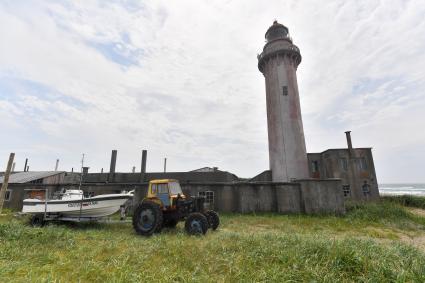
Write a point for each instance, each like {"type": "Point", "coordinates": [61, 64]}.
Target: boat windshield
{"type": "Point", "coordinates": [175, 188]}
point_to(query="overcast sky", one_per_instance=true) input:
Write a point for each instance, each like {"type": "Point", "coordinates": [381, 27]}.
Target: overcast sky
{"type": "Point", "coordinates": [180, 79]}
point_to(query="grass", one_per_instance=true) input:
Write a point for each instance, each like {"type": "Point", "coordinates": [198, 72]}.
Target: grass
{"type": "Point", "coordinates": [407, 200]}
{"type": "Point", "coordinates": [372, 243]}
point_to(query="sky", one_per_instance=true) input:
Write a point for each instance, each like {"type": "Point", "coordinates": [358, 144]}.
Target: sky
{"type": "Point", "coordinates": [180, 79]}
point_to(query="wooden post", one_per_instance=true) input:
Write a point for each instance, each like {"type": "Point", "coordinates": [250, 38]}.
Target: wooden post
{"type": "Point", "coordinates": [6, 180]}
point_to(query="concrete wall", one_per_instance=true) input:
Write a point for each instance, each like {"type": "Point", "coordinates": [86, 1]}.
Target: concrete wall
{"type": "Point", "coordinates": [289, 199]}
{"type": "Point", "coordinates": [55, 179]}
{"type": "Point", "coordinates": [322, 196]}
{"type": "Point", "coordinates": [306, 196]}
{"type": "Point", "coordinates": [309, 196]}
{"type": "Point", "coordinates": [216, 176]}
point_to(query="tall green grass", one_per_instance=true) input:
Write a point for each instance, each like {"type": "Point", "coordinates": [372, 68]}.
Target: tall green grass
{"type": "Point", "coordinates": [406, 200]}
{"type": "Point", "coordinates": [246, 248]}
{"type": "Point", "coordinates": [385, 212]}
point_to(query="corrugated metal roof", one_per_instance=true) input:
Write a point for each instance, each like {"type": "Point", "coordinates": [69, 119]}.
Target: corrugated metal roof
{"type": "Point", "coordinates": [25, 177]}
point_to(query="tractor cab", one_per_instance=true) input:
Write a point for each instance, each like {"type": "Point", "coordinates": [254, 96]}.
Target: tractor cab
{"type": "Point", "coordinates": [165, 193]}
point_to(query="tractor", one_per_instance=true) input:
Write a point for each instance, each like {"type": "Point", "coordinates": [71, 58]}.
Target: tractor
{"type": "Point", "coordinates": [165, 205]}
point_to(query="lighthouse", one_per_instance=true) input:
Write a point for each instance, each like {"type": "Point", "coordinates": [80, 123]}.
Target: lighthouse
{"type": "Point", "coordinates": [278, 62]}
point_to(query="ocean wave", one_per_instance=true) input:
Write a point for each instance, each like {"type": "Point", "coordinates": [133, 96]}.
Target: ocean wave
{"type": "Point", "coordinates": [399, 193]}
{"type": "Point", "coordinates": [401, 188]}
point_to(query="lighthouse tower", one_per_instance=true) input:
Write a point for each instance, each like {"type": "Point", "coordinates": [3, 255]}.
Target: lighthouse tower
{"type": "Point", "coordinates": [278, 62]}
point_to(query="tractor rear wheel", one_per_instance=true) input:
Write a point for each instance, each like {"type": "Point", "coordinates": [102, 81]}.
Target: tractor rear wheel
{"type": "Point", "coordinates": [196, 224]}
{"type": "Point", "coordinates": [147, 218]}
{"type": "Point", "coordinates": [213, 219]}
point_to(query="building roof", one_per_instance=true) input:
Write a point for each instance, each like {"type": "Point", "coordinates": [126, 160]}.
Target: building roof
{"type": "Point", "coordinates": [25, 177]}
{"type": "Point", "coordinates": [339, 149]}
{"type": "Point", "coordinates": [206, 169]}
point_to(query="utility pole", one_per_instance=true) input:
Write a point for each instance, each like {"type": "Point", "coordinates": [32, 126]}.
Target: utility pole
{"type": "Point", "coordinates": [6, 180]}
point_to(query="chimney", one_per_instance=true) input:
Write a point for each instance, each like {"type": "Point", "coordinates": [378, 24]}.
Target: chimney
{"type": "Point", "coordinates": [26, 163]}
{"type": "Point", "coordinates": [143, 166]}
{"type": "Point", "coordinates": [57, 165]}
{"type": "Point", "coordinates": [113, 164]}
{"type": "Point", "coordinates": [134, 169]}
{"type": "Point", "coordinates": [349, 144]}
{"type": "Point", "coordinates": [85, 170]}
{"type": "Point", "coordinates": [13, 167]}
{"type": "Point", "coordinates": [113, 161]}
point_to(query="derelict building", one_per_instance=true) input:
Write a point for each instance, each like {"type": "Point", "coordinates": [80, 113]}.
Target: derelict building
{"type": "Point", "coordinates": [297, 181]}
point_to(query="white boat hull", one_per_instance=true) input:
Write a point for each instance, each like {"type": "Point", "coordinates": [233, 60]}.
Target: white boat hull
{"type": "Point", "coordinates": [94, 207]}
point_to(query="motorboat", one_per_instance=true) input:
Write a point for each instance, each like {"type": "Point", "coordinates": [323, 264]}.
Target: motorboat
{"type": "Point", "coordinates": [73, 204]}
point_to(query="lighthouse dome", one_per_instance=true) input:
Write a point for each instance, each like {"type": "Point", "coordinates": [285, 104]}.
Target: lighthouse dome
{"type": "Point", "coordinates": [276, 31]}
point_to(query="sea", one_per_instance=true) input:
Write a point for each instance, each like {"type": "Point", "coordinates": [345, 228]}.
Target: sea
{"type": "Point", "coordinates": [402, 189]}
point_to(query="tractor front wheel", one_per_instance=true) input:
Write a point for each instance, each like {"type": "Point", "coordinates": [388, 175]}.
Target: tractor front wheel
{"type": "Point", "coordinates": [196, 224]}
{"type": "Point", "coordinates": [147, 218]}
{"type": "Point", "coordinates": [213, 219]}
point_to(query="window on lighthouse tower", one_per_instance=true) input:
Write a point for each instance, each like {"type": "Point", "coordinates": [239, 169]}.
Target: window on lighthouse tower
{"type": "Point", "coordinates": [285, 90]}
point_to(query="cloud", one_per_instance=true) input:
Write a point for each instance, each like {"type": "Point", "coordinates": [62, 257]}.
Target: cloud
{"type": "Point", "coordinates": [181, 80]}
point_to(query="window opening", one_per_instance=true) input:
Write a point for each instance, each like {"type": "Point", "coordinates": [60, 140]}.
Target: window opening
{"type": "Point", "coordinates": [284, 90]}
{"type": "Point", "coordinates": [7, 195]}
{"type": "Point", "coordinates": [344, 164]}
{"type": "Point", "coordinates": [366, 188]}
{"type": "Point", "coordinates": [175, 188]}
{"type": "Point", "coordinates": [346, 190]}
{"type": "Point", "coordinates": [154, 189]}
{"type": "Point", "coordinates": [209, 197]}
{"type": "Point", "coordinates": [162, 189]}
{"type": "Point", "coordinates": [362, 164]}
{"type": "Point", "coordinates": [315, 166]}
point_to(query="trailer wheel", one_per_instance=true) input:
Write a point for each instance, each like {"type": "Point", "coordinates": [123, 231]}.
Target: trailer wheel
{"type": "Point", "coordinates": [147, 218]}
{"type": "Point", "coordinates": [37, 220]}
{"type": "Point", "coordinates": [196, 224]}
{"type": "Point", "coordinates": [213, 219]}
